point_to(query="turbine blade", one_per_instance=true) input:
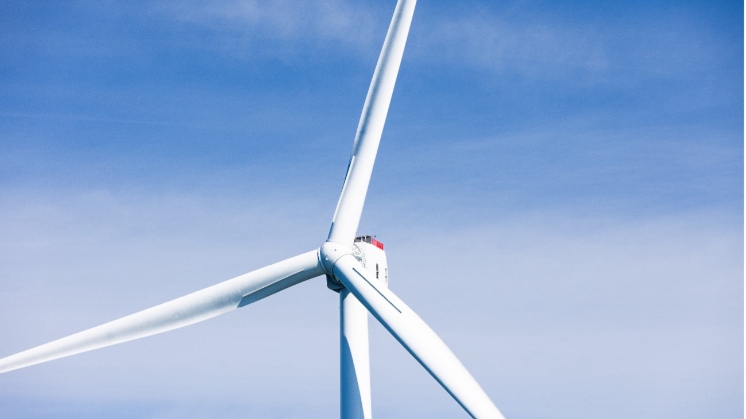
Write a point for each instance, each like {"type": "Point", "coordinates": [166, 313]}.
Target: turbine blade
{"type": "Point", "coordinates": [189, 309]}
{"type": "Point", "coordinates": [416, 336]}
{"type": "Point", "coordinates": [369, 130]}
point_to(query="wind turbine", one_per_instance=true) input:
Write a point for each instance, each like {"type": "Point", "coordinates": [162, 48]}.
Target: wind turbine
{"type": "Point", "coordinates": [354, 266]}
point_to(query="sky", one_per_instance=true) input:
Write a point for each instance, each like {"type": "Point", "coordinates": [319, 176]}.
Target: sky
{"type": "Point", "coordinates": [559, 188]}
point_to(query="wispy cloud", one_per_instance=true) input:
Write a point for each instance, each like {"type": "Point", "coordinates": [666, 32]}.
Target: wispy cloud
{"type": "Point", "coordinates": [351, 25]}
{"type": "Point", "coordinates": [642, 43]}
{"type": "Point", "coordinates": [490, 42]}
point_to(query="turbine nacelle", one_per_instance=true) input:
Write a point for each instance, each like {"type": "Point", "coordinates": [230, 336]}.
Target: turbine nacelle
{"type": "Point", "coordinates": [367, 250]}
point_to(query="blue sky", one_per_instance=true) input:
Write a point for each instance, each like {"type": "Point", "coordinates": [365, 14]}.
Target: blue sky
{"type": "Point", "coordinates": [559, 188]}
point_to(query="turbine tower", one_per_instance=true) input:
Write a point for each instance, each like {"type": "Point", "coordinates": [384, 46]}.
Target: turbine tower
{"type": "Point", "coordinates": [354, 266]}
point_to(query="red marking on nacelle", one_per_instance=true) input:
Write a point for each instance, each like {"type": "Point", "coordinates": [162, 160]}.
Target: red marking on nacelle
{"type": "Point", "coordinates": [369, 239]}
